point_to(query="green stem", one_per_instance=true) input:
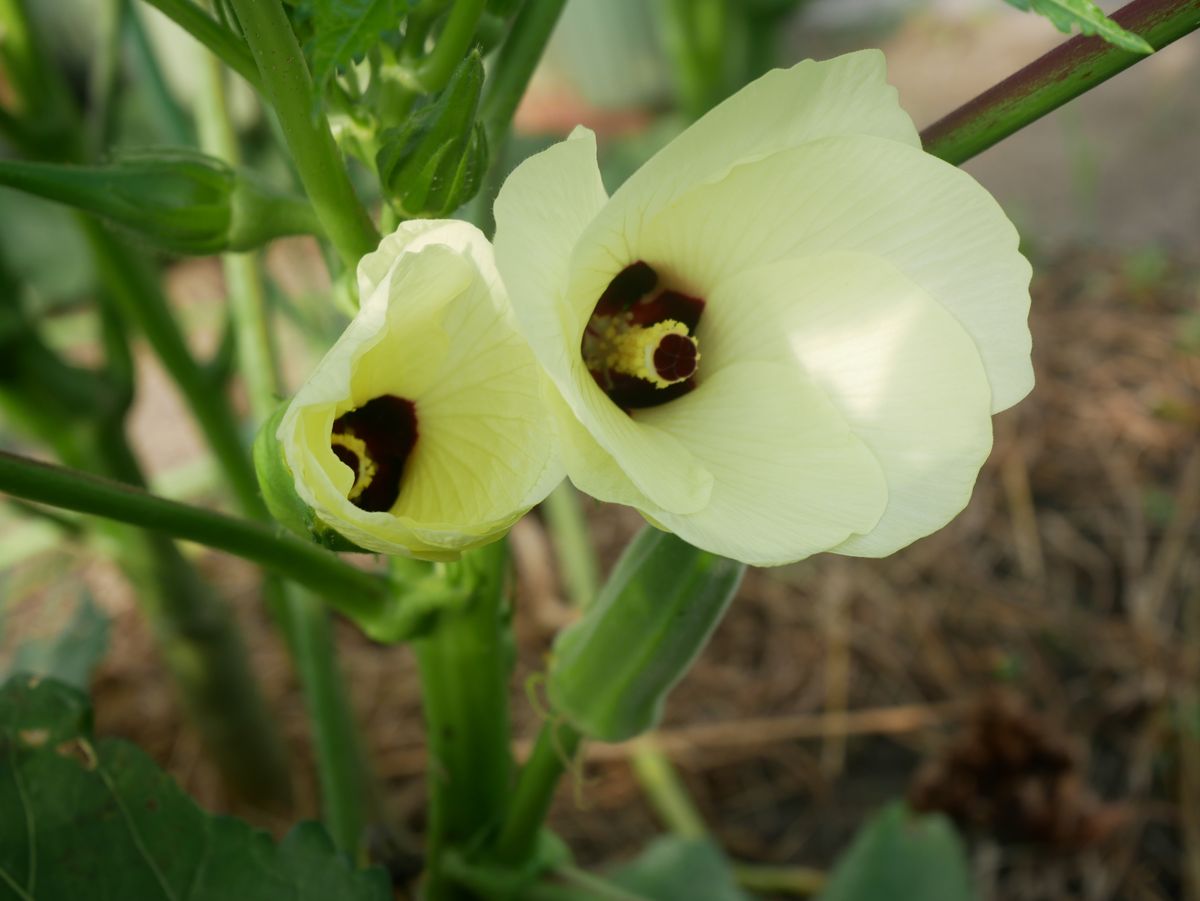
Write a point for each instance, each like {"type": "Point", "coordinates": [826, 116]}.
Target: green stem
{"type": "Point", "coordinates": [464, 664]}
{"type": "Point", "coordinates": [555, 748]}
{"type": "Point", "coordinates": [289, 87]}
{"type": "Point", "coordinates": [135, 291]}
{"type": "Point", "coordinates": [244, 287]}
{"type": "Point", "coordinates": [514, 66]}
{"type": "Point", "coordinates": [349, 589]}
{"type": "Point", "coordinates": [147, 71]}
{"type": "Point", "coordinates": [213, 35]}
{"type": "Point", "coordinates": [1064, 73]}
{"type": "Point", "coordinates": [572, 545]}
{"type": "Point", "coordinates": [668, 795]}
{"type": "Point", "coordinates": [342, 770]}
{"type": "Point", "coordinates": [434, 71]}
{"type": "Point", "coordinates": [341, 765]}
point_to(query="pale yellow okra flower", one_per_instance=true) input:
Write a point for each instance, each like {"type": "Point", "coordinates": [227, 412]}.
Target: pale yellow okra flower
{"type": "Point", "coordinates": [787, 332]}
{"type": "Point", "coordinates": [423, 431]}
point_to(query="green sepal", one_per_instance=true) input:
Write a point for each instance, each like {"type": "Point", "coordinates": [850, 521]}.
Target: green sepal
{"type": "Point", "coordinates": [278, 487]}
{"type": "Point", "coordinates": [176, 200]}
{"type": "Point", "coordinates": [435, 162]}
{"type": "Point", "coordinates": [611, 671]}
{"type": "Point", "coordinates": [413, 610]}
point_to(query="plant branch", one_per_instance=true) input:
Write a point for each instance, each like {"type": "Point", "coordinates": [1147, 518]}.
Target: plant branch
{"type": "Point", "coordinates": [350, 590]}
{"type": "Point", "coordinates": [288, 85]}
{"type": "Point", "coordinates": [1061, 75]}
{"type": "Point", "coordinates": [516, 60]}
{"type": "Point", "coordinates": [213, 35]}
{"type": "Point", "coordinates": [555, 748]}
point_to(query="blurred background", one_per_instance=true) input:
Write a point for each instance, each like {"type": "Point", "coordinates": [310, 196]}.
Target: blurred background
{"type": "Point", "coordinates": [1033, 670]}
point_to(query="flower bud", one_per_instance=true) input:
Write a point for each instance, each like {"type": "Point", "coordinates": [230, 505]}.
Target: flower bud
{"type": "Point", "coordinates": [434, 163]}
{"type": "Point", "coordinates": [176, 200]}
{"type": "Point", "coordinates": [424, 431]}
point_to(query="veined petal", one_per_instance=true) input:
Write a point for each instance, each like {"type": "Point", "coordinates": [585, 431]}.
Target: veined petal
{"type": "Point", "coordinates": [929, 220]}
{"type": "Point", "coordinates": [541, 210]}
{"type": "Point", "coordinates": [782, 110]}
{"type": "Point", "coordinates": [591, 468]}
{"type": "Point", "coordinates": [657, 464]}
{"type": "Point", "coordinates": [790, 478]}
{"type": "Point", "coordinates": [436, 332]}
{"type": "Point", "coordinates": [901, 370]}
{"type": "Point", "coordinates": [416, 234]}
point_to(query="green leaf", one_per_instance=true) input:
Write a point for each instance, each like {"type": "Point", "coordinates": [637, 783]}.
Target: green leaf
{"type": "Point", "coordinates": [899, 854]}
{"type": "Point", "coordinates": [98, 820]}
{"type": "Point", "coordinates": [681, 869]}
{"type": "Point", "coordinates": [610, 672]}
{"type": "Point", "coordinates": [1088, 18]}
{"type": "Point", "coordinates": [343, 30]}
{"type": "Point", "coordinates": [72, 654]}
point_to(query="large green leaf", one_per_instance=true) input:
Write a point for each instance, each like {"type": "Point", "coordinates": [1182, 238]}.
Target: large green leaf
{"type": "Point", "coordinates": [899, 854]}
{"type": "Point", "coordinates": [343, 30]}
{"type": "Point", "coordinates": [96, 820]}
{"type": "Point", "coordinates": [680, 869]}
{"type": "Point", "coordinates": [1088, 18]}
{"type": "Point", "coordinates": [610, 672]}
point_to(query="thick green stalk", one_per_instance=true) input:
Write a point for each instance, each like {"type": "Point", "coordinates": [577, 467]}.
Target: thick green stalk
{"type": "Point", "coordinates": [288, 85]}
{"type": "Point", "coordinates": [464, 663]}
{"type": "Point", "coordinates": [555, 748]}
{"type": "Point", "coordinates": [347, 588]}
{"type": "Point", "coordinates": [212, 34]}
{"type": "Point", "coordinates": [342, 769]}
{"type": "Point", "coordinates": [514, 66]}
{"type": "Point", "coordinates": [1061, 75]}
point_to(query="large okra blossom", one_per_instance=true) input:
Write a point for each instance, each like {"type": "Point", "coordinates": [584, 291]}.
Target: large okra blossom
{"type": "Point", "coordinates": [787, 332]}
{"type": "Point", "coordinates": [423, 431]}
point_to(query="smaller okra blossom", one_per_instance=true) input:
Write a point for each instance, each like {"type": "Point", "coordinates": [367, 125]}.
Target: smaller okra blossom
{"type": "Point", "coordinates": [787, 332]}
{"type": "Point", "coordinates": [423, 432]}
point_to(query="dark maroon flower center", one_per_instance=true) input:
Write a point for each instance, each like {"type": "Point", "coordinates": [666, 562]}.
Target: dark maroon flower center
{"type": "Point", "coordinates": [375, 441]}
{"type": "Point", "coordinates": [639, 344]}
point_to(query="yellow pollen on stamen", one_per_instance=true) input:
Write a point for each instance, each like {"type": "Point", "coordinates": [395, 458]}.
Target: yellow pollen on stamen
{"type": "Point", "coordinates": [632, 349]}
{"type": "Point", "coordinates": [366, 466]}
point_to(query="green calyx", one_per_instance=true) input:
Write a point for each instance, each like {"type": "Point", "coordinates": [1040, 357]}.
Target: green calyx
{"type": "Point", "coordinates": [435, 162]}
{"type": "Point", "coordinates": [176, 200]}
{"type": "Point", "coordinates": [278, 487]}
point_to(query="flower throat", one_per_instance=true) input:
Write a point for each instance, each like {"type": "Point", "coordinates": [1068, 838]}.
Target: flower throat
{"type": "Point", "coordinates": [375, 441]}
{"type": "Point", "coordinates": [640, 343]}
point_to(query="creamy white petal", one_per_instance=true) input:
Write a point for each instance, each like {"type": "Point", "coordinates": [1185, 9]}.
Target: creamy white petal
{"type": "Point", "coordinates": [436, 331]}
{"type": "Point", "coordinates": [591, 468]}
{"type": "Point", "coordinates": [782, 110]}
{"type": "Point", "coordinates": [541, 210]}
{"type": "Point", "coordinates": [899, 368]}
{"type": "Point", "coordinates": [930, 220]}
{"type": "Point", "coordinates": [790, 478]}
{"type": "Point", "coordinates": [416, 234]}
